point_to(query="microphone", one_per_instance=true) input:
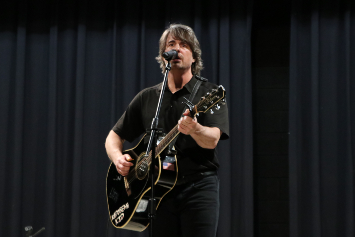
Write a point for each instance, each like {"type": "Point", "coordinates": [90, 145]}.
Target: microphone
{"type": "Point", "coordinates": [172, 54]}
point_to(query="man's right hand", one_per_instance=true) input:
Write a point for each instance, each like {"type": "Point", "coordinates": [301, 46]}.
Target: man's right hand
{"type": "Point", "coordinates": [114, 145]}
{"type": "Point", "coordinates": [123, 164]}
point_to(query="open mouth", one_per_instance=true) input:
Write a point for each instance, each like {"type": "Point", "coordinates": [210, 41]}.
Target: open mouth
{"type": "Point", "coordinates": [177, 58]}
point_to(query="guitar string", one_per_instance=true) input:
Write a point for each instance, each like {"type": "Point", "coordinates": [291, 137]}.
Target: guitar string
{"type": "Point", "coordinates": [132, 172]}
{"type": "Point", "coordinates": [167, 137]}
{"type": "Point", "coordinates": [148, 158]}
{"type": "Point", "coordinates": [171, 134]}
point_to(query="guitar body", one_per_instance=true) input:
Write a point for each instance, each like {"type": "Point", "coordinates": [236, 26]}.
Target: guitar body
{"type": "Point", "coordinates": [128, 197]}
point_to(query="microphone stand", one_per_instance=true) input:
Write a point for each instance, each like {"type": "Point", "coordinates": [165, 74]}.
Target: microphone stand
{"type": "Point", "coordinates": [152, 143]}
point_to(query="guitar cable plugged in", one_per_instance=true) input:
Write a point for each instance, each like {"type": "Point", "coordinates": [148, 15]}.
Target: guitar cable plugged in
{"type": "Point", "coordinates": [29, 230]}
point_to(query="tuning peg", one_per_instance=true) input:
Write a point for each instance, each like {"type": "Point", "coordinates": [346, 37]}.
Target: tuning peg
{"type": "Point", "coordinates": [218, 107]}
{"type": "Point", "coordinates": [223, 102]}
{"type": "Point", "coordinates": [202, 98]}
{"type": "Point", "coordinates": [211, 111]}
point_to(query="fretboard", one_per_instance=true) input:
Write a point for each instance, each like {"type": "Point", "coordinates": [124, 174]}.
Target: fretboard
{"type": "Point", "coordinates": [167, 140]}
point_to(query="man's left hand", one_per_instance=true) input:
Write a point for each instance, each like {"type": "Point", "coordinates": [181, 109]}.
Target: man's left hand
{"type": "Point", "coordinates": [186, 124]}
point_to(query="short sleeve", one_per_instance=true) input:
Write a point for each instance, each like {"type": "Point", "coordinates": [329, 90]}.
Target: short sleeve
{"type": "Point", "coordinates": [218, 118]}
{"type": "Point", "coordinates": [129, 126]}
{"type": "Point", "coordinates": [215, 117]}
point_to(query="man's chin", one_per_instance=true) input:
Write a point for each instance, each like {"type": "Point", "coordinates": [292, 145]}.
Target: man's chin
{"type": "Point", "coordinates": [175, 62]}
{"type": "Point", "coordinates": [176, 65]}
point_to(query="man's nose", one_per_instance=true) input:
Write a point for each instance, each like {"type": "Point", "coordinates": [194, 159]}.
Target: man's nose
{"type": "Point", "coordinates": [177, 47]}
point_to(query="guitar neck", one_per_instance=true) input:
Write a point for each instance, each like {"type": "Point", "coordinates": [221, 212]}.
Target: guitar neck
{"type": "Point", "coordinates": [211, 99]}
{"type": "Point", "coordinates": [167, 140]}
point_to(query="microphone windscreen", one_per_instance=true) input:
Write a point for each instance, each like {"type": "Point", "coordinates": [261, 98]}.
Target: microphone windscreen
{"type": "Point", "coordinates": [170, 55]}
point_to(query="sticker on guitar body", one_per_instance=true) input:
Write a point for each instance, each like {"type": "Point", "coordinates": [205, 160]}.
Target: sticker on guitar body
{"type": "Point", "coordinates": [118, 216]}
{"type": "Point", "coordinates": [168, 166]}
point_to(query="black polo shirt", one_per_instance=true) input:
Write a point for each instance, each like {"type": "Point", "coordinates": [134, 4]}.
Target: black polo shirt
{"type": "Point", "coordinates": [140, 112]}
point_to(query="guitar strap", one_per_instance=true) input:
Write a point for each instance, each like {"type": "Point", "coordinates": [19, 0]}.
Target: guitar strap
{"type": "Point", "coordinates": [192, 96]}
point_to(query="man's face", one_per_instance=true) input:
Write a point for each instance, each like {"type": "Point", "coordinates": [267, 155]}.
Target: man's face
{"type": "Point", "coordinates": [184, 59]}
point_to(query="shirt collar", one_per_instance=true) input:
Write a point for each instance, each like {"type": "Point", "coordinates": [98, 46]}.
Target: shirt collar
{"type": "Point", "coordinates": [189, 86]}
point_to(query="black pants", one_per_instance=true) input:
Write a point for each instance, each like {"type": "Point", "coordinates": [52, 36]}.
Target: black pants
{"type": "Point", "coordinates": [190, 209]}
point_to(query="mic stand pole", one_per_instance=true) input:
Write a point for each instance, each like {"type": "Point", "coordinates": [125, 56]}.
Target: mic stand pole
{"type": "Point", "coordinates": [152, 143]}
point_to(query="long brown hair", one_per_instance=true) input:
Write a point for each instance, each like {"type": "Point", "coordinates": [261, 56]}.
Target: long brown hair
{"type": "Point", "coordinates": [185, 34]}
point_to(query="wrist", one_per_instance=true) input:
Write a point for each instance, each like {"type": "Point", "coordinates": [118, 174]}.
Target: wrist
{"type": "Point", "coordinates": [198, 129]}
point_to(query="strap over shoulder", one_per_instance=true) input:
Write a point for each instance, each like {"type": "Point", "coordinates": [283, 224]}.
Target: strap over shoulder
{"type": "Point", "coordinates": [201, 78]}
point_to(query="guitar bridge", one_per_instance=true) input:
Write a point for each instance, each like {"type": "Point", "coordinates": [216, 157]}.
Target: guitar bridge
{"type": "Point", "coordinates": [127, 187]}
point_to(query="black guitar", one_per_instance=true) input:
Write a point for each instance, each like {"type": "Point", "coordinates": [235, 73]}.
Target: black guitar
{"type": "Point", "coordinates": [127, 197]}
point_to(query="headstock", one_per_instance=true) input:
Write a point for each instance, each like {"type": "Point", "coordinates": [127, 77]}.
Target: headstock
{"type": "Point", "coordinates": [212, 99]}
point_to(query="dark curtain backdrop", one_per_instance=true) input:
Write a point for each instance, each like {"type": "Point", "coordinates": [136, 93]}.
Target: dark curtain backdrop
{"type": "Point", "coordinates": [68, 69]}
{"type": "Point", "coordinates": [322, 119]}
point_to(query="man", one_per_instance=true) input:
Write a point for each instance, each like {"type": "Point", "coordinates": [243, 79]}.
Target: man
{"type": "Point", "coordinates": [192, 207]}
